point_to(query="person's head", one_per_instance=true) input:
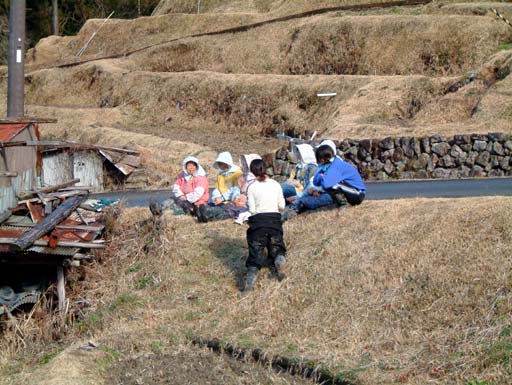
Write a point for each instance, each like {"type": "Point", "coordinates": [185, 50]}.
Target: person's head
{"type": "Point", "coordinates": [223, 166]}
{"type": "Point", "coordinates": [191, 167]}
{"type": "Point", "coordinates": [324, 154]}
{"type": "Point", "coordinates": [223, 162]}
{"type": "Point", "coordinates": [245, 161]}
{"type": "Point", "coordinates": [258, 168]}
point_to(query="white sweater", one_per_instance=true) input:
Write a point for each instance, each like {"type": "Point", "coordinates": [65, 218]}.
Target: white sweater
{"type": "Point", "coordinates": [265, 197]}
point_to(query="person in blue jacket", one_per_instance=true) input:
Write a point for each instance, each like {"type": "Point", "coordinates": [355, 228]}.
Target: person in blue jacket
{"type": "Point", "coordinates": [338, 178]}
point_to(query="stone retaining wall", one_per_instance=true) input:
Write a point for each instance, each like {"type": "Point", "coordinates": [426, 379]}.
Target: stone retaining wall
{"type": "Point", "coordinates": [461, 156]}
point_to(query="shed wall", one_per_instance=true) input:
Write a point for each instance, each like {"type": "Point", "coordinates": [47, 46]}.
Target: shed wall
{"type": "Point", "coordinates": [88, 166]}
{"type": "Point", "coordinates": [57, 168]}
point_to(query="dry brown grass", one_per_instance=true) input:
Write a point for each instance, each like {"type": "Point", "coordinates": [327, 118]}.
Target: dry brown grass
{"type": "Point", "coordinates": [409, 291]}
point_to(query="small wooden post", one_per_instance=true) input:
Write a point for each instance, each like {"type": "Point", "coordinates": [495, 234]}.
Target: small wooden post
{"type": "Point", "coordinates": [61, 289]}
{"type": "Point", "coordinates": [55, 17]}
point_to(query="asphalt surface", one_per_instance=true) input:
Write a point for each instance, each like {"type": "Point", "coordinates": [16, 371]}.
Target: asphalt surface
{"type": "Point", "coordinates": [457, 188]}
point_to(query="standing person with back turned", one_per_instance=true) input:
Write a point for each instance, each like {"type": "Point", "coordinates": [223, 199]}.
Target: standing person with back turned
{"type": "Point", "coordinates": [266, 201]}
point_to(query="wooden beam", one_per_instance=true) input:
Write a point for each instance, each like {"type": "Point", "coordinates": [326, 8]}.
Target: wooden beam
{"type": "Point", "coordinates": [42, 243]}
{"type": "Point", "coordinates": [27, 119]}
{"type": "Point", "coordinates": [64, 144]}
{"type": "Point", "coordinates": [49, 222]}
{"type": "Point", "coordinates": [45, 190]}
{"type": "Point", "coordinates": [61, 289]}
{"type": "Point", "coordinates": [58, 227]}
{"type": "Point", "coordinates": [8, 174]}
{"type": "Point", "coordinates": [49, 189]}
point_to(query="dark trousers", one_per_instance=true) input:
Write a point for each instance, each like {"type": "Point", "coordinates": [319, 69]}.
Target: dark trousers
{"type": "Point", "coordinates": [342, 193]}
{"type": "Point", "coordinates": [185, 205]}
{"type": "Point", "coordinates": [265, 232]}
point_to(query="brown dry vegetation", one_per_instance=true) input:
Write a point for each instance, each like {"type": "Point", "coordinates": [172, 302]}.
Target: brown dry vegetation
{"type": "Point", "coordinates": [418, 293]}
{"type": "Point", "coordinates": [415, 291]}
{"type": "Point", "coordinates": [203, 107]}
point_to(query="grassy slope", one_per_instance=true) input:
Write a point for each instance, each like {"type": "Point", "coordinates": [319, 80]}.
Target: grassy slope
{"type": "Point", "coordinates": [412, 290]}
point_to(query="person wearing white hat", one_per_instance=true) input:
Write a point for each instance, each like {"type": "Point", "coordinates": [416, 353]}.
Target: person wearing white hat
{"type": "Point", "coordinates": [302, 195]}
{"type": "Point", "coordinates": [223, 202]}
{"type": "Point", "coordinates": [226, 188]}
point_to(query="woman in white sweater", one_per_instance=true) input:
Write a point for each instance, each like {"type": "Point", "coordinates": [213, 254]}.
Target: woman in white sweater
{"type": "Point", "coordinates": [266, 201]}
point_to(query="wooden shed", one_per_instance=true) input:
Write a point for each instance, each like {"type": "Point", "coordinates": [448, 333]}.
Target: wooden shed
{"type": "Point", "coordinates": [64, 164]}
{"type": "Point", "coordinates": [19, 166]}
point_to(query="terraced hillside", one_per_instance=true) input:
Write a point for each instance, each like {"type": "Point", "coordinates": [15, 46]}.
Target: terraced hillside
{"type": "Point", "coordinates": [436, 68]}
{"type": "Point", "coordinates": [408, 291]}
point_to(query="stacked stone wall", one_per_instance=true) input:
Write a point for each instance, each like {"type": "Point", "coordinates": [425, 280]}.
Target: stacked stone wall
{"type": "Point", "coordinates": [460, 156]}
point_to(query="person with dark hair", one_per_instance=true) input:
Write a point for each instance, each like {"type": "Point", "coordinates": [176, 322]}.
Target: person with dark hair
{"type": "Point", "coordinates": [266, 201]}
{"type": "Point", "coordinates": [190, 190]}
{"type": "Point", "coordinates": [225, 198]}
{"type": "Point", "coordinates": [338, 178]}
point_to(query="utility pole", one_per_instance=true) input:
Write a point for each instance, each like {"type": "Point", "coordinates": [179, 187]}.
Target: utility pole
{"type": "Point", "coordinates": [55, 17]}
{"type": "Point", "coordinates": [16, 60]}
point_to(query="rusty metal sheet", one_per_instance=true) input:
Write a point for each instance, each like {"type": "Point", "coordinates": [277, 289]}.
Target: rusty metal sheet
{"type": "Point", "coordinates": [117, 160]}
{"type": "Point", "coordinates": [9, 131]}
{"type": "Point", "coordinates": [56, 235]}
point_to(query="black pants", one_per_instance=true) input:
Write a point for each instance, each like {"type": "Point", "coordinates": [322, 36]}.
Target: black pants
{"type": "Point", "coordinates": [342, 193]}
{"type": "Point", "coordinates": [186, 206]}
{"type": "Point", "coordinates": [265, 232]}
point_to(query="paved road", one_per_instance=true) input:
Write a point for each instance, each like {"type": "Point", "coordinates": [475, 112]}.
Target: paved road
{"type": "Point", "coordinates": [376, 191]}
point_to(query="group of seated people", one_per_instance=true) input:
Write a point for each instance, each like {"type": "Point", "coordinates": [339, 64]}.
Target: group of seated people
{"type": "Point", "coordinates": [319, 178]}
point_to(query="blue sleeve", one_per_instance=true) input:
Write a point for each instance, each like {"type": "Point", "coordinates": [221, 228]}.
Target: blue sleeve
{"type": "Point", "coordinates": [318, 178]}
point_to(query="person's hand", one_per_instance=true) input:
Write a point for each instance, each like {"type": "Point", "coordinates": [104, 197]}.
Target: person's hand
{"type": "Point", "coordinates": [311, 191]}
{"type": "Point", "coordinates": [295, 183]}
{"type": "Point", "coordinates": [240, 201]}
{"type": "Point", "coordinates": [217, 201]}
{"type": "Point", "coordinates": [290, 199]}
{"type": "Point", "coordinates": [182, 198]}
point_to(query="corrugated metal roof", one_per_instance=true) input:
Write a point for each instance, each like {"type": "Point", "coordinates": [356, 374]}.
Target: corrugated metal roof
{"type": "Point", "coordinates": [9, 131]}
{"type": "Point", "coordinates": [7, 231]}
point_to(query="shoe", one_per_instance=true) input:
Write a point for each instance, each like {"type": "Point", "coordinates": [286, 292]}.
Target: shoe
{"type": "Point", "coordinates": [289, 212]}
{"type": "Point", "coordinates": [250, 278]}
{"type": "Point", "coordinates": [279, 263]}
{"type": "Point", "coordinates": [201, 214]}
{"type": "Point", "coordinates": [155, 207]}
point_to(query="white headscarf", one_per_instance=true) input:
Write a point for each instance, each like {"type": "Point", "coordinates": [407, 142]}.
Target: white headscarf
{"type": "Point", "coordinates": [246, 160]}
{"type": "Point", "coordinates": [307, 154]}
{"type": "Point", "coordinates": [330, 143]}
{"type": "Point", "coordinates": [225, 157]}
{"type": "Point", "coordinates": [199, 172]}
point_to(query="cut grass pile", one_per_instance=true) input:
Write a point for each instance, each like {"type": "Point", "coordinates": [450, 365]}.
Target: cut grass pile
{"type": "Point", "coordinates": [411, 291]}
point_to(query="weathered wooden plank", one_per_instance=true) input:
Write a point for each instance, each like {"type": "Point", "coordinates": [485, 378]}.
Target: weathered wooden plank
{"type": "Point", "coordinates": [61, 289]}
{"type": "Point", "coordinates": [28, 119]}
{"type": "Point", "coordinates": [43, 243]}
{"type": "Point", "coordinates": [49, 222]}
{"type": "Point", "coordinates": [63, 144]}
{"type": "Point", "coordinates": [25, 195]}
{"type": "Point", "coordinates": [58, 227]}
